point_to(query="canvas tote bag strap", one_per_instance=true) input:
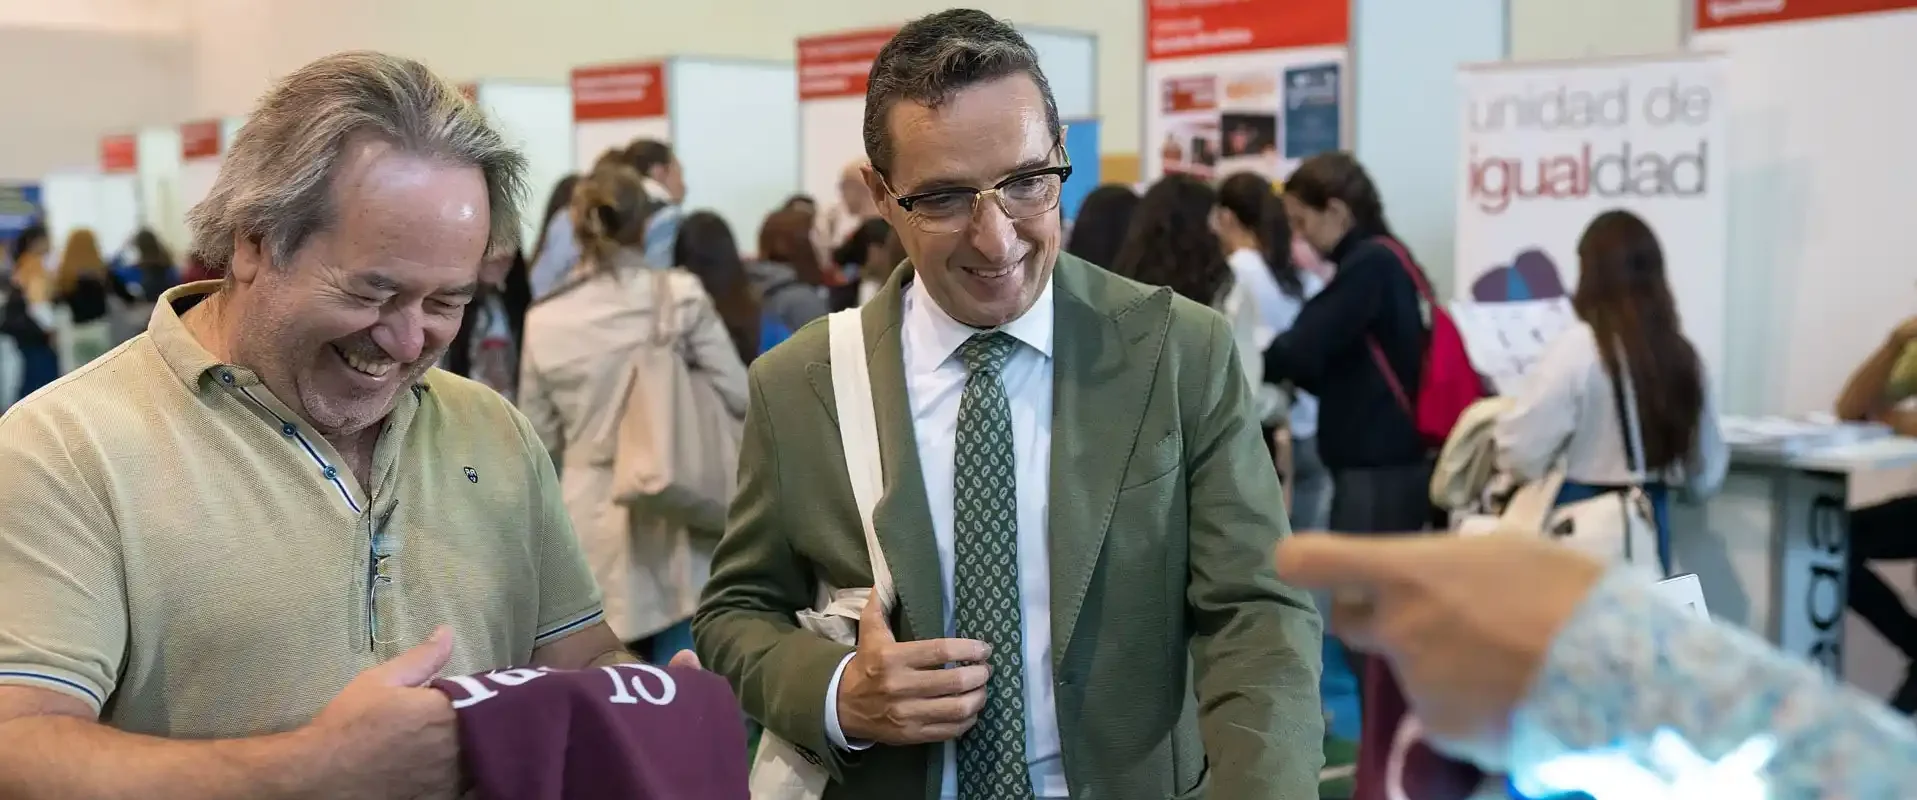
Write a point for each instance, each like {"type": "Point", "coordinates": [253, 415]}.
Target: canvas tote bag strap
{"type": "Point", "coordinates": [1624, 391]}
{"type": "Point", "coordinates": [859, 435]}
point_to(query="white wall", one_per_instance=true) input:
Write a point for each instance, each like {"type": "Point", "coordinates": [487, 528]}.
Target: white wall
{"type": "Point", "coordinates": [1405, 56]}
{"type": "Point", "coordinates": [66, 87]}
{"type": "Point", "coordinates": [242, 44]}
{"type": "Point", "coordinates": [1543, 29]}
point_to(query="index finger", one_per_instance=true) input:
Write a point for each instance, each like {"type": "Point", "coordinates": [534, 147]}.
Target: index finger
{"type": "Point", "coordinates": [934, 653]}
{"type": "Point", "coordinates": [1330, 561]}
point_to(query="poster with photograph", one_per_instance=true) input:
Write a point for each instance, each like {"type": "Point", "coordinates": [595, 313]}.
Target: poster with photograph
{"type": "Point", "coordinates": [1227, 78]}
{"type": "Point", "coordinates": [1189, 104]}
{"type": "Point", "coordinates": [1314, 111]}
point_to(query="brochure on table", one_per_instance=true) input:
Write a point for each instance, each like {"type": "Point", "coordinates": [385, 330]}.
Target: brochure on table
{"type": "Point", "coordinates": [731, 123]}
{"type": "Point", "coordinates": [1546, 148]}
{"type": "Point", "coordinates": [1241, 85]}
{"type": "Point", "coordinates": [831, 92]}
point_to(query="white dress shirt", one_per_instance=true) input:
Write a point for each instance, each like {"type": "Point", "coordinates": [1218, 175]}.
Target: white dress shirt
{"type": "Point", "coordinates": [1277, 311]}
{"type": "Point", "coordinates": [934, 382]}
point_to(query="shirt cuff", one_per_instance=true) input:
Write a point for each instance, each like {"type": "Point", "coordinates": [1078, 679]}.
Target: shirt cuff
{"type": "Point", "coordinates": [832, 731]}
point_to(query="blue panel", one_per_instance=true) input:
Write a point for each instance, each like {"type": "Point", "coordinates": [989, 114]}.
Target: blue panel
{"type": "Point", "coordinates": [1081, 146]}
{"type": "Point", "coordinates": [19, 207]}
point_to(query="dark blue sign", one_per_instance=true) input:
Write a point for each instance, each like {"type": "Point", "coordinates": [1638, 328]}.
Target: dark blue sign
{"type": "Point", "coordinates": [1313, 110]}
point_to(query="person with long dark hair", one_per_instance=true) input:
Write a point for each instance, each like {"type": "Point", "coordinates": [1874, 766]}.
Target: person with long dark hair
{"type": "Point", "coordinates": [1103, 219]}
{"type": "Point", "coordinates": [1251, 225]}
{"type": "Point", "coordinates": [1628, 342]}
{"type": "Point", "coordinates": [555, 251]}
{"type": "Point", "coordinates": [706, 248]}
{"type": "Point", "coordinates": [39, 362]}
{"type": "Point", "coordinates": [790, 273]}
{"type": "Point", "coordinates": [1171, 244]}
{"type": "Point", "coordinates": [868, 249]}
{"type": "Point", "coordinates": [492, 333]}
{"type": "Point", "coordinates": [1367, 320]}
{"type": "Point", "coordinates": [155, 265]}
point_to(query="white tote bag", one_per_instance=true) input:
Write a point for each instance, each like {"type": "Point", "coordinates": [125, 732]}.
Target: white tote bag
{"type": "Point", "coordinates": [1614, 526]}
{"type": "Point", "coordinates": [779, 771]}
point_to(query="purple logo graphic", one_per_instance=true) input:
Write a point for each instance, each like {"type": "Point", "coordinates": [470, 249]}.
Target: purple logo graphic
{"type": "Point", "coordinates": [1530, 276]}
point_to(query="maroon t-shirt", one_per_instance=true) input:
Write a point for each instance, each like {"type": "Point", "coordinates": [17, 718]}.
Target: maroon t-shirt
{"type": "Point", "coordinates": [630, 731]}
{"type": "Point", "coordinates": [1388, 755]}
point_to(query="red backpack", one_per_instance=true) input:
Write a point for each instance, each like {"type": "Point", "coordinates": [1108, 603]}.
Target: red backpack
{"type": "Point", "coordinates": [1448, 384]}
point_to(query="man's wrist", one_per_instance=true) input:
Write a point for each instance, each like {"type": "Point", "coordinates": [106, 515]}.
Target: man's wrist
{"type": "Point", "coordinates": [833, 732]}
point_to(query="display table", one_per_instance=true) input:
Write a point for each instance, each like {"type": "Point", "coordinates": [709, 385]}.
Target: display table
{"type": "Point", "coordinates": [1770, 548]}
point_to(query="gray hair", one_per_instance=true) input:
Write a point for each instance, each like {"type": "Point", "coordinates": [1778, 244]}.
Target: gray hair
{"type": "Point", "coordinates": [934, 57]}
{"type": "Point", "coordinates": [275, 185]}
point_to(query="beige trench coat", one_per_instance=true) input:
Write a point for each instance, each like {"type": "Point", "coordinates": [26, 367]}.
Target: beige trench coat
{"type": "Point", "coordinates": [579, 341]}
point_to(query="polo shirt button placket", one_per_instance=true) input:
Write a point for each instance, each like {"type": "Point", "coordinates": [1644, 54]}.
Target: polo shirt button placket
{"type": "Point", "coordinates": [226, 377]}
{"type": "Point", "coordinates": [329, 472]}
{"type": "Point", "coordinates": [289, 429]}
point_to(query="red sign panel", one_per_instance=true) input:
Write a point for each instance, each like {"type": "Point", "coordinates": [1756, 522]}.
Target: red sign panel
{"type": "Point", "coordinates": [1713, 14]}
{"type": "Point", "coordinates": [119, 153]}
{"type": "Point", "coordinates": [200, 139]}
{"type": "Point", "coordinates": [836, 65]}
{"type": "Point", "coordinates": [619, 91]}
{"type": "Point", "coordinates": [1181, 28]}
{"type": "Point", "coordinates": [1191, 93]}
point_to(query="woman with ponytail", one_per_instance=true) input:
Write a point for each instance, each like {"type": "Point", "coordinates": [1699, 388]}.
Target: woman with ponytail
{"type": "Point", "coordinates": [1570, 405]}
{"type": "Point", "coordinates": [580, 345]}
{"type": "Point", "coordinates": [1251, 225]}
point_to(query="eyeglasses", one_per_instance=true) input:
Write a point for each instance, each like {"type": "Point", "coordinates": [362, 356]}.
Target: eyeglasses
{"type": "Point", "coordinates": [1022, 196]}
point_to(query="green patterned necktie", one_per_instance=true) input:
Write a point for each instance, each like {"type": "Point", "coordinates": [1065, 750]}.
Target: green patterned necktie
{"type": "Point", "coordinates": [991, 756]}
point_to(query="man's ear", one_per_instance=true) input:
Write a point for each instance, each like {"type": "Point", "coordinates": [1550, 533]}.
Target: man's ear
{"type": "Point", "coordinates": [249, 257]}
{"type": "Point", "coordinates": [881, 198]}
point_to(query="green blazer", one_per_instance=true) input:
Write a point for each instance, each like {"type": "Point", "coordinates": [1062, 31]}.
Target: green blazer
{"type": "Point", "coordinates": [1182, 666]}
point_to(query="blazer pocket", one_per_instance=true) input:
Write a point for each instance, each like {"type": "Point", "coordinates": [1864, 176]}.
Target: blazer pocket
{"type": "Point", "coordinates": [1151, 463]}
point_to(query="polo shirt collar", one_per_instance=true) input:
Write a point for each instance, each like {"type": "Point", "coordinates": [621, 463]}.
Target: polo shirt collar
{"type": "Point", "coordinates": [191, 362]}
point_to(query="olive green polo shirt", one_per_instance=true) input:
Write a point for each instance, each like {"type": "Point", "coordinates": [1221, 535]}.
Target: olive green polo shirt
{"type": "Point", "coordinates": [188, 556]}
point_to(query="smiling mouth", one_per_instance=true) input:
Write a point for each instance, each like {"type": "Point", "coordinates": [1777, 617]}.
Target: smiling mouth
{"type": "Point", "coordinates": [991, 273]}
{"type": "Point", "coordinates": [364, 366]}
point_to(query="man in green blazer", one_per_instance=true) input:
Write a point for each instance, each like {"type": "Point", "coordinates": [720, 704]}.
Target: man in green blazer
{"type": "Point", "coordinates": [1078, 511]}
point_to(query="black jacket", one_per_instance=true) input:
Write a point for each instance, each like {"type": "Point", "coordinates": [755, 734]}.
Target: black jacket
{"type": "Point", "coordinates": [1361, 423]}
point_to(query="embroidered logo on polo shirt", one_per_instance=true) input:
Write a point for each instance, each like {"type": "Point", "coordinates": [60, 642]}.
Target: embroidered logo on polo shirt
{"type": "Point", "coordinates": [472, 475]}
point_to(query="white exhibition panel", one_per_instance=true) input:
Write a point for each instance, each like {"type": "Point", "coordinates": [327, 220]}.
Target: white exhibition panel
{"type": "Point", "coordinates": [1547, 147]}
{"type": "Point", "coordinates": [735, 133]}
{"type": "Point", "coordinates": [1070, 62]}
{"type": "Point", "coordinates": [832, 129]}
{"type": "Point", "coordinates": [1249, 89]}
{"type": "Point", "coordinates": [196, 181]}
{"type": "Point", "coordinates": [159, 177]}
{"type": "Point", "coordinates": [1820, 229]}
{"type": "Point", "coordinates": [70, 199]}
{"type": "Point", "coordinates": [831, 135]}
{"type": "Point", "coordinates": [536, 119]}
{"type": "Point", "coordinates": [1406, 53]}
{"type": "Point", "coordinates": [107, 204]}
{"type": "Point", "coordinates": [594, 137]}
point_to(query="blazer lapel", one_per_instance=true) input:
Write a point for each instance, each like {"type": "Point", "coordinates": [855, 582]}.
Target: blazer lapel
{"type": "Point", "coordinates": [903, 516]}
{"type": "Point", "coordinates": [1106, 359]}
